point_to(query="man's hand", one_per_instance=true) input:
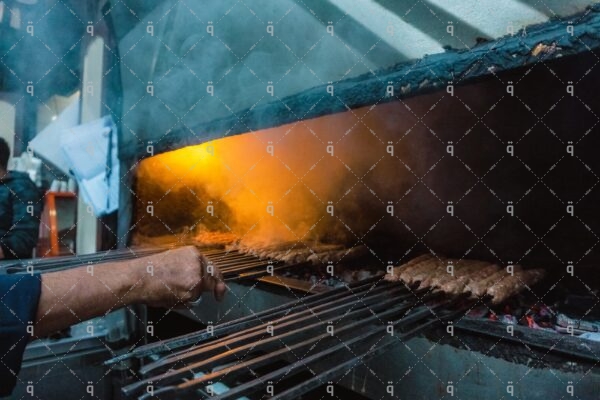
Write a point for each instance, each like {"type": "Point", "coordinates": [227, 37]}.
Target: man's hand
{"type": "Point", "coordinates": [165, 280]}
{"type": "Point", "coordinates": [178, 276]}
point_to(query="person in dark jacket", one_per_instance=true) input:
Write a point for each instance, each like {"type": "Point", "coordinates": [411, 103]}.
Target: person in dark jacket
{"type": "Point", "coordinates": [34, 305]}
{"type": "Point", "coordinates": [20, 209]}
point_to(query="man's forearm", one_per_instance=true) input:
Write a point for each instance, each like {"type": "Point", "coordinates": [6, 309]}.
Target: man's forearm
{"type": "Point", "coordinates": [72, 296]}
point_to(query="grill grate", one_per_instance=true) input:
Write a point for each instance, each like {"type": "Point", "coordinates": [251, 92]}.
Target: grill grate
{"type": "Point", "coordinates": [324, 334]}
{"type": "Point", "coordinates": [52, 264]}
{"type": "Point", "coordinates": [235, 265]}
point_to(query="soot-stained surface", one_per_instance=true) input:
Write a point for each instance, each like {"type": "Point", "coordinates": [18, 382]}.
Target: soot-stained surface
{"type": "Point", "coordinates": [478, 152]}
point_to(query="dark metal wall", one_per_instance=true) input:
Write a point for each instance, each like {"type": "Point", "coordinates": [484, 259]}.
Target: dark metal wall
{"type": "Point", "coordinates": [159, 126]}
{"type": "Point", "coordinates": [424, 369]}
{"type": "Point", "coordinates": [539, 179]}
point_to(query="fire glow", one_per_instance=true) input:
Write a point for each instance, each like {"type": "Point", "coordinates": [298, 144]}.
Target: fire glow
{"type": "Point", "coordinates": [310, 181]}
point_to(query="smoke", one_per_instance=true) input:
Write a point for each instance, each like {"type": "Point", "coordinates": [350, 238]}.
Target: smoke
{"type": "Point", "coordinates": [41, 49]}
{"type": "Point", "coordinates": [328, 179]}
{"type": "Point", "coordinates": [288, 169]}
{"type": "Point", "coordinates": [226, 46]}
{"type": "Point", "coordinates": [295, 172]}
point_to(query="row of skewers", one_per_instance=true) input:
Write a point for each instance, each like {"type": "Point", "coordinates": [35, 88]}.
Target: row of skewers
{"type": "Point", "coordinates": [479, 278]}
{"type": "Point", "coordinates": [296, 253]}
{"type": "Point", "coordinates": [452, 276]}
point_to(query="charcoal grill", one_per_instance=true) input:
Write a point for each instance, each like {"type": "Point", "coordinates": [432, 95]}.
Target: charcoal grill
{"type": "Point", "coordinates": [476, 227]}
{"type": "Point", "coordinates": [326, 333]}
{"type": "Point", "coordinates": [288, 351]}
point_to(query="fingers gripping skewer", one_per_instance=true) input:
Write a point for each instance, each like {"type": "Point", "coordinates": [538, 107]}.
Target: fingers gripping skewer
{"type": "Point", "coordinates": [210, 277]}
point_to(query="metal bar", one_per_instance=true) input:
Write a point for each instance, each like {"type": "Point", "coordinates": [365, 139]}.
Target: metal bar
{"type": "Point", "coordinates": [263, 272]}
{"type": "Point", "coordinates": [219, 252]}
{"type": "Point", "coordinates": [59, 263]}
{"type": "Point", "coordinates": [78, 258]}
{"type": "Point", "coordinates": [289, 283]}
{"type": "Point", "coordinates": [215, 258]}
{"type": "Point", "coordinates": [332, 373]}
{"type": "Point", "coordinates": [299, 307]}
{"type": "Point", "coordinates": [255, 273]}
{"type": "Point", "coordinates": [296, 312]}
{"type": "Point", "coordinates": [228, 327]}
{"type": "Point", "coordinates": [224, 266]}
{"type": "Point", "coordinates": [229, 262]}
{"type": "Point", "coordinates": [244, 266]}
{"type": "Point", "coordinates": [255, 262]}
{"type": "Point", "coordinates": [289, 370]}
{"type": "Point", "coordinates": [190, 386]}
{"type": "Point", "coordinates": [286, 315]}
{"type": "Point", "coordinates": [222, 253]}
{"type": "Point", "coordinates": [342, 368]}
{"type": "Point", "coordinates": [209, 361]}
{"type": "Point", "coordinates": [253, 334]}
{"type": "Point", "coordinates": [226, 257]}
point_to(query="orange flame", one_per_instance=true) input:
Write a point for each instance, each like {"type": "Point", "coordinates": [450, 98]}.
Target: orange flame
{"type": "Point", "coordinates": [276, 185]}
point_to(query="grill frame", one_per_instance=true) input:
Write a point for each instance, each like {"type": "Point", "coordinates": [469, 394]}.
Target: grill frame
{"type": "Point", "coordinates": [375, 300]}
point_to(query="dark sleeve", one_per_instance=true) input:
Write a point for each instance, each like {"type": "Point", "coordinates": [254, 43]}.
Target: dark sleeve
{"type": "Point", "coordinates": [22, 237]}
{"type": "Point", "coordinates": [19, 297]}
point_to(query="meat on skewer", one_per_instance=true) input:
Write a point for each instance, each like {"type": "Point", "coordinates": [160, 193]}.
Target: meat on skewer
{"type": "Point", "coordinates": [397, 271]}
{"type": "Point", "coordinates": [321, 252]}
{"type": "Point", "coordinates": [407, 274]}
{"type": "Point", "coordinates": [513, 284]}
{"type": "Point", "coordinates": [469, 276]}
{"type": "Point", "coordinates": [317, 258]}
{"type": "Point", "coordinates": [437, 273]}
{"type": "Point", "coordinates": [480, 288]}
{"type": "Point", "coordinates": [291, 252]}
{"type": "Point", "coordinates": [440, 279]}
{"type": "Point", "coordinates": [262, 249]}
{"type": "Point", "coordinates": [481, 275]}
{"type": "Point", "coordinates": [442, 276]}
{"type": "Point", "coordinates": [455, 285]}
{"type": "Point", "coordinates": [294, 256]}
{"type": "Point", "coordinates": [295, 253]}
{"type": "Point", "coordinates": [345, 255]}
{"type": "Point", "coordinates": [462, 275]}
{"type": "Point", "coordinates": [426, 271]}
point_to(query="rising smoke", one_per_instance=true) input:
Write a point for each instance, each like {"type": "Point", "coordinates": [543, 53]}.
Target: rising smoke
{"type": "Point", "coordinates": [421, 179]}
